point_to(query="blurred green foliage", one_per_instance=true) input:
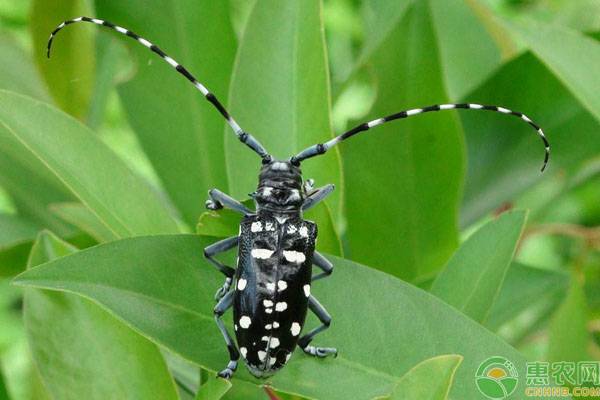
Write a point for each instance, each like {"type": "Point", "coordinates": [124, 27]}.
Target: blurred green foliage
{"type": "Point", "coordinates": [105, 142]}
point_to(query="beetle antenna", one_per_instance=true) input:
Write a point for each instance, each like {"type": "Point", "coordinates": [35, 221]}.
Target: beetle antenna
{"type": "Point", "coordinates": [321, 148]}
{"type": "Point", "coordinates": [243, 136]}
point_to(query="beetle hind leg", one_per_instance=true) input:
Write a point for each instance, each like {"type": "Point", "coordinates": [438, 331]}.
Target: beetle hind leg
{"type": "Point", "coordinates": [234, 355]}
{"type": "Point", "coordinates": [325, 318]}
{"type": "Point", "coordinates": [217, 248]}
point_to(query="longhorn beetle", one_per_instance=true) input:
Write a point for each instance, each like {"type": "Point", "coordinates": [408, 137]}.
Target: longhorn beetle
{"type": "Point", "coordinates": [270, 288]}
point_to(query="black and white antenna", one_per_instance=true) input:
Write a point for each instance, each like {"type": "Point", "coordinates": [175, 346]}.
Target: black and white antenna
{"type": "Point", "coordinates": [321, 148]}
{"type": "Point", "coordinates": [243, 136]}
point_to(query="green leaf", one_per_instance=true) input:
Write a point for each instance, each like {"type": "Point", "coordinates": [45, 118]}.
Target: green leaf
{"type": "Point", "coordinates": [213, 389]}
{"type": "Point", "coordinates": [181, 132]}
{"type": "Point", "coordinates": [17, 72]}
{"type": "Point", "coordinates": [569, 55]}
{"type": "Point", "coordinates": [403, 179]}
{"type": "Point", "coordinates": [69, 75]}
{"type": "Point", "coordinates": [524, 288]}
{"type": "Point", "coordinates": [226, 223]}
{"type": "Point", "coordinates": [429, 380]}
{"type": "Point", "coordinates": [482, 260]}
{"type": "Point", "coordinates": [81, 217]}
{"type": "Point", "coordinates": [505, 157]}
{"type": "Point", "coordinates": [3, 392]}
{"type": "Point", "coordinates": [81, 350]}
{"type": "Point", "coordinates": [371, 311]}
{"type": "Point", "coordinates": [569, 338]}
{"type": "Point", "coordinates": [280, 93]}
{"type": "Point", "coordinates": [93, 173]}
{"type": "Point", "coordinates": [16, 236]}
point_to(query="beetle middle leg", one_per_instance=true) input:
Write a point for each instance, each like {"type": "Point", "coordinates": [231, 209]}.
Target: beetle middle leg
{"type": "Point", "coordinates": [325, 318]}
{"type": "Point", "coordinates": [218, 200]}
{"type": "Point", "coordinates": [324, 264]}
{"type": "Point", "coordinates": [217, 248]}
{"type": "Point", "coordinates": [234, 355]}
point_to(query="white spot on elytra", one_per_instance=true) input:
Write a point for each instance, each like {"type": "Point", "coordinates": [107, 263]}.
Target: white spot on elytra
{"type": "Point", "coordinates": [268, 327]}
{"type": "Point", "coordinates": [275, 324]}
{"type": "Point", "coordinates": [295, 329]}
{"type": "Point", "coordinates": [272, 361]}
{"type": "Point", "coordinates": [281, 285]}
{"type": "Point", "coordinates": [274, 342]}
{"type": "Point", "coordinates": [245, 322]}
{"type": "Point", "coordinates": [262, 355]}
{"type": "Point", "coordinates": [270, 286]}
{"type": "Point", "coordinates": [304, 231]}
{"type": "Point", "coordinates": [256, 227]}
{"type": "Point", "coordinates": [281, 306]}
{"type": "Point", "coordinates": [262, 254]}
{"type": "Point", "coordinates": [267, 303]}
{"type": "Point", "coordinates": [294, 256]}
{"type": "Point", "coordinates": [265, 338]}
{"type": "Point", "coordinates": [268, 310]}
{"type": "Point", "coordinates": [306, 290]}
{"type": "Point", "coordinates": [244, 351]}
{"type": "Point", "coordinates": [241, 285]}
{"type": "Point", "coordinates": [235, 327]}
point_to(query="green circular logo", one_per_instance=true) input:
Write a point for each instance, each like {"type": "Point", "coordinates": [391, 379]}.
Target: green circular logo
{"type": "Point", "coordinates": [497, 378]}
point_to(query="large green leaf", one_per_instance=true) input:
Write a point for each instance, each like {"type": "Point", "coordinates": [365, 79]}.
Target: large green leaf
{"type": "Point", "coordinates": [429, 380]}
{"type": "Point", "coordinates": [403, 179]}
{"type": "Point", "coordinates": [93, 173]}
{"type": "Point", "coordinates": [69, 75]}
{"type": "Point", "coordinates": [213, 389]}
{"type": "Point", "coordinates": [17, 72]}
{"type": "Point", "coordinates": [81, 350]}
{"type": "Point", "coordinates": [78, 215]}
{"type": "Point", "coordinates": [163, 288]}
{"type": "Point", "coordinates": [570, 55]}
{"type": "Point", "coordinates": [280, 93]}
{"type": "Point", "coordinates": [16, 236]}
{"type": "Point", "coordinates": [526, 288]}
{"type": "Point", "coordinates": [569, 338]}
{"type": "Point", "coordinates": [483, 261]}
{"type": "Point", "coordinates": [468, 53]}
{"type": "Point", "coordinates": [504, 153]}
{"type": "Point", "coordinates": [181, 132]}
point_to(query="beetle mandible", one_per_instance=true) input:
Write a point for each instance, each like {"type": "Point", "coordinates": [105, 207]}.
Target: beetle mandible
{"type": "Point", "coordinates": [270, 288]}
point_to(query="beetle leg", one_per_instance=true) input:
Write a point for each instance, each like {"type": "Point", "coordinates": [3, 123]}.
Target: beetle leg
{"type": "Point", "coordinates": [324, 264]}
{"type": "Point", "coordinates": [325, 318]}
{"type": "Point", "coordinates": [219, 200]}
{"type": "Point", "coordinates": [317, 196]}
{"type": "Point", "coordinates": [223, 305]}
{"type": "Point", "coordinates": [217, 248]}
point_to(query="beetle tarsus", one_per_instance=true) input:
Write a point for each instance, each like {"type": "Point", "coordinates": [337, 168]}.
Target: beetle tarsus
{"type": "Point", "coordinates": [320, 352]}
{"type": "Point", "coordinates": [213, 205]}
{"type": "Point", "coordinates": [223, 289]}
{"type": "Point", "coordinates": [227, 373]}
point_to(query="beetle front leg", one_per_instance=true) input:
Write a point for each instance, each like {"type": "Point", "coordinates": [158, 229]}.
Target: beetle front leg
{"type": "Point", "coordinates": [218, 200]}
{"type": "Point", "coordinates": [317, 196]}
{"type": "Point", "coordinates": [217, 248]}
{"type": "Point", "coordinates": [324, 264]}
{"type": "Point", "coordinates": [234, 355]}
{"type": "Point", "coordinates": [325, 318]}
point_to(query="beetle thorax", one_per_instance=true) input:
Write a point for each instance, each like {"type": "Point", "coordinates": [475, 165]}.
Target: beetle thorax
{"type": "Point", "coordinates": [280, 191]}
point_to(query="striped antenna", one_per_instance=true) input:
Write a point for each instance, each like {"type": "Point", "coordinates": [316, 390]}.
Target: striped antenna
{"type": "Point", "coordinates": [323, 147]}
{"type": "Point", "coordinates": [243, 136]}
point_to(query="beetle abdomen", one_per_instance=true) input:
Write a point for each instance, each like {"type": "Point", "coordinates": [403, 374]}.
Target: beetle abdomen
{"type": "Point", "coordinates": [272, 289]}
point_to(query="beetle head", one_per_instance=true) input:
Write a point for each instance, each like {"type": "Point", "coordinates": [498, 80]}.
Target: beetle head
{"type": "Point", "coordinates": [279, 186]}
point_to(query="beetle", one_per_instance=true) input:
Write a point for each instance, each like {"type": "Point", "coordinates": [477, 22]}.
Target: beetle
{"type": "Point", "coordinates": [270, 288]}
